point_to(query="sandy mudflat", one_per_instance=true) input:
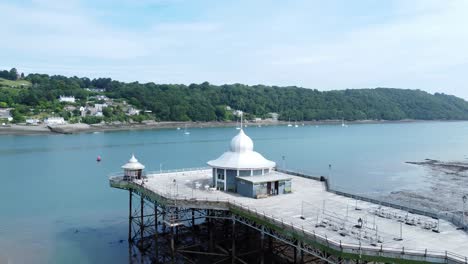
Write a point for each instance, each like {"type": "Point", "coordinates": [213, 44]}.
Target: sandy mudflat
{"type": "Point", "coordinates": [24, 130]}
{"type": "Point", "coordinates": [447, 183]}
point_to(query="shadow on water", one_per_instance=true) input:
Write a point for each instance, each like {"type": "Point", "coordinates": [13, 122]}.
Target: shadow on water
{"type": "Point", "coordinates": [85, 244]}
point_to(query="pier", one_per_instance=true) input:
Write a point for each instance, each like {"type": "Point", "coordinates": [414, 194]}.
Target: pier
{"type": "Point", "coordinates": [310, 223]}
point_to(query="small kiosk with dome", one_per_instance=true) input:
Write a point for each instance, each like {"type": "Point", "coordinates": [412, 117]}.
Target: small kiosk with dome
{"type": "Point", "coordinates": [133, 169]}
{"type": "Point", "coordinates": [245, 171]}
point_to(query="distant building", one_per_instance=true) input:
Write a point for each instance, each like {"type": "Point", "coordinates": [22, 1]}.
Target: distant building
{"type": "Point", "coordinates": [68, 99]}
{"type": "Point", "coordinates": [5, 114]}
{"type": "Point", "coordinates": [132, 111]}
{"type": "Point", "coordinates": [96, 90]}
{"type": "Point", "coordinates": [99, 107]}
{"type": "Point", "coordinates": [32, 121]}
{"type": "Point", "coordinates": [228, 108]}
{"type": "Point", "coordinates": [237, 112]}
{"type": "Point", "coordinates": [274, 116]}
{"type": "Point", "coordinates": [69, 108]}
{"type": "Point", "coordinates": [257, 119]}
{"type": "Point", "coordinates": [102, 97]}
{"type": "Point", "coordinates": [83, 111]}
{"type": "Point", "coordinates": [54, 121]}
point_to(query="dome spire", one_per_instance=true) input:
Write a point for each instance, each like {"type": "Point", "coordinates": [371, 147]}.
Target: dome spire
{"type": "Point", "coordinates": [242, 115]}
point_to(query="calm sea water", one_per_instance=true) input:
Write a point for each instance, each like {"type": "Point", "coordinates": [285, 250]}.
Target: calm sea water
{"type": "Point", "coordinates": [56, 205]}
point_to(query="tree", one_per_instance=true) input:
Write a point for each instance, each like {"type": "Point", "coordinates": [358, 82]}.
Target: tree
{"type": "Point", "coordinates": [13, 74]}
{"type": "Point", "coordinates": [17, 116]}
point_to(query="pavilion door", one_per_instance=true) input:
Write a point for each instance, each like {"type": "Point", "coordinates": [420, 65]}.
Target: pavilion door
{"type": "Point", "coordinates": [276, 187]}
{"type": "Point", "coordinates": [269, 188]}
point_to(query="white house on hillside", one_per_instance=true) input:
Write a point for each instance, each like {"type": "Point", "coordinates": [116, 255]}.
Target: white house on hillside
{"type": "Point", "coordinates": [54, 121]}
{"type": "Point", "coordinates": [68, 99]}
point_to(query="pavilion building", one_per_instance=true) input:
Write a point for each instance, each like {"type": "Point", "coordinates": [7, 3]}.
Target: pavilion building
{"type": "Point", "coordinates": [247, 172]}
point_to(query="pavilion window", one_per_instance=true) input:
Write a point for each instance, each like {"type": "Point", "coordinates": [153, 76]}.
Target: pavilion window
{"type": "Point", "coordinates": [245, 172]}
{"type": "Point", "coordinates": [257, 172]}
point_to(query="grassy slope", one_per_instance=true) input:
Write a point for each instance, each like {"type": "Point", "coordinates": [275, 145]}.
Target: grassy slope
{"type": "Point", "coordinates": [14, 84]}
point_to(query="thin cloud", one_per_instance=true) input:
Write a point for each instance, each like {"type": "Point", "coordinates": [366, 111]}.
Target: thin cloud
{"type": "Point", "coordinates": [412, 44]}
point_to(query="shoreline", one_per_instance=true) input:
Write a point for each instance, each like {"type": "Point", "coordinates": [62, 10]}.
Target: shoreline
{"type": "Point", "coordinates": [152, 125]}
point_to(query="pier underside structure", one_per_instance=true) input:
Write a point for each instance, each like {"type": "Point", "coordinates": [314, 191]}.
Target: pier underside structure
{"type": "Point", "coordinates": [160, 233]}
{"type": "Point", "coordinates": [168, 227]}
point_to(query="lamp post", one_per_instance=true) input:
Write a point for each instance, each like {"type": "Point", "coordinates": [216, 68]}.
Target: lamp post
{"type": "Point", "coordinates": [329, 175]}
{"type": "Point", "coordinates": [464, 198]}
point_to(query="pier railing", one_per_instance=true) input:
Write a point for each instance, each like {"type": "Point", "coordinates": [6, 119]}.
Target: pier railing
{"type": "Point", "coordinates": [151, 173]}
{"type": "Point", "coordinates": [322, 239]}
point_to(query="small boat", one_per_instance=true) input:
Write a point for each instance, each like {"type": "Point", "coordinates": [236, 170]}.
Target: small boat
{"type": "Point", "coordinates": [343, 123]}
{"type": "Point", "coordinates": [289, 123]}
{"type": "Point", "coordinates": [98, 159]}
{"type": "Point", "coordinates": [295, 125]}
{"type": "Point", "coordinates": [186, 132]}
{"type": "Point", "coordinates": [237, 125]}
{"type": "Point", "coordinates": [178, 128]}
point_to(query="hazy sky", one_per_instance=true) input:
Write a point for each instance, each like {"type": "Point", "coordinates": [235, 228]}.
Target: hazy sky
{"type": "Point", "coordinates": [418, 44]}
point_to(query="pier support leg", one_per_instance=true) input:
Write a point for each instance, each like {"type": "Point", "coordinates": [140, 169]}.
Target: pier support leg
{"type": "Point", "coordinates": [164, 219]}
{"type": "Point", "coordinates": [177, 226]}
{"type": "Point", "coordinates": [210, 234]}
{"type": "Point", "coordinates": [172, 246]}
{"type": "Point", "coordinates": [233, 237]}
{"type": "Point", "coordinates": [302, 253]}
{"type": "Point", "coordinates": [262, 246]}
{"type": "Point", "coordinates": [130, 216]}
{"type": "Point", "coordinates": [142, 220]}
{"type": "Point", "coordinates": [295, 252]}
{"type": "Point", "coordinates": [156, 231]}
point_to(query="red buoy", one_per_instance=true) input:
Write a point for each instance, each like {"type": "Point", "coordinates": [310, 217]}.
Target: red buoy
{"type": "Point", "coordinates": [98, 158]}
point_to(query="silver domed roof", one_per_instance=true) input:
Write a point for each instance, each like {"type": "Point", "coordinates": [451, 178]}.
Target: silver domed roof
{"type": "Point", "coordinates": [241, 155]}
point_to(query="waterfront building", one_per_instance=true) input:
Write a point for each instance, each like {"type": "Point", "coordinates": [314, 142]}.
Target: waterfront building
{"type": "Point", "coordinates": [54, 121]}
{"type": "Point", "coordinates": [32, 121]}
{"type": "Point", "coordinates": [247, 172]}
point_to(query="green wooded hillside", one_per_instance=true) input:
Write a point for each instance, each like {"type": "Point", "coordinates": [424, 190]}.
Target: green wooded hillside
{"type": "Point", "coordinates": [206, 102]}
